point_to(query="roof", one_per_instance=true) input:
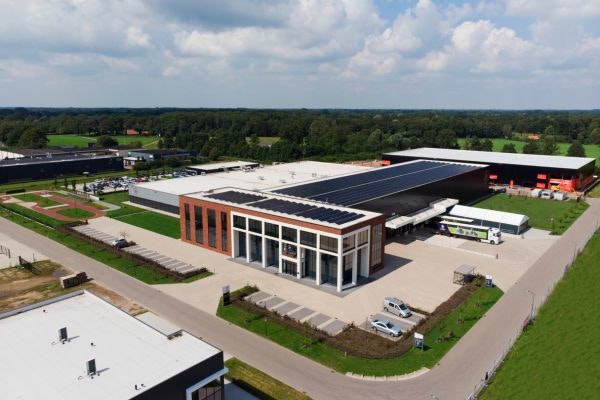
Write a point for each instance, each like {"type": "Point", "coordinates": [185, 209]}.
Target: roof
{"type": "Point", "coordinates": [267, 177]}
{"type": "Point", "coordinates": [435, 208]}
{"type": "Point", "coordinates": [214, 167]}
{"type": "Point", "coordinates": [53, 159]}
{"type": "Point", "coordinates": [10, 155]}
{"type": "Point", "coordinates": [297, 209]}
{"type": "Point", "coordinates": [488, 157]}
{"type": "Point", "coordinates": [465, 269]}
{"type": "Point", "coordinates": [127, 351]}
{"type": "Point", "coordinates": [379, 182]}
{"type": "Point", "coordinates": [500, 217]}
{"type": "Point", "coordinates": [162, 152]}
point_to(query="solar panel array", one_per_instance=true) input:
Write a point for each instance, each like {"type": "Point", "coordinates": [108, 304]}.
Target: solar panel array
{"type": "Point", "coordinates": [317, 213]}
{"type": "Point", "coordinates": [362, 187]}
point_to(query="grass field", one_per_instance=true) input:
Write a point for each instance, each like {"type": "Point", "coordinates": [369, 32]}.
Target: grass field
{"type": "Point", "coordinates": [265, 140]}
{"type": "Point", "coordinates": [82, 141]}
{"type": "Point", "coordinates": [550, 215]}
{"type": "Point", "coordinates": [557, 357]}
{"type": "Point", "coordinates": [75, 213]}
{"type": "Point", "coordinates": [591, 150]}
{"type": "Point", "coordinates": [333, 358]}
{"type": "Point", "coordinates": [34, 198]}
{"type": "Point", "coordinates": [258, 383]}
{"type": "Point", "coordinates": [150, 220]}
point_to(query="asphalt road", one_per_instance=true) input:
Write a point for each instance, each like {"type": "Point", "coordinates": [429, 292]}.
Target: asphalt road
{"type": "Point", "coordinates": [453, 378]}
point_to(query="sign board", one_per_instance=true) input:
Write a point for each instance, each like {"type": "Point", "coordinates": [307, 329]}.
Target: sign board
{"type": "Point", "coordinates": [226, 298]}
{"type": "Point", "coordinates": [489, 281]}
{"type": "Point", "coordinates": [419, 340]}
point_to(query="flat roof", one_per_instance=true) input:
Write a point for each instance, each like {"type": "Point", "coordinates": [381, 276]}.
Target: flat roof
{"type": "Point", "coordinates": [267, 177]}
{"type": "Point", "coordinates": [9, 155]}
{"type": "Point", "coordinates": [500, 217]}
{"type": "Point", "coordinates": [361, 187]}
{"type": "Point", "coordinates": [127, 351]}
{"type": "Point", "coordinates": [489, 157]}
{"type": "Point", "coordinates": [53, 159]}
{"type": "Point", "coordinates": [296, 209]}
{"type": "Point", "coordinates": [221, 165]}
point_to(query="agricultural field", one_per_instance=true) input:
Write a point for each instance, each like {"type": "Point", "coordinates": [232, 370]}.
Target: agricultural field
{"type": "Point", "coordinates": [550, 215]}
{"type": "Point", "coordinates": [557, 357]}
{"type": "Point", "coordinates": [591, 150]}
{"type": "Point", "coordinates": [82, 141]}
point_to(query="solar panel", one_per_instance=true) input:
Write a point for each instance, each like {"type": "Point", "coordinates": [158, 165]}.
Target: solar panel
{"type": "Point", "coordinates": [359, 188]}
{"type": "Point", "coordinates": [317, 213]}
{"type": "Point", "coordinates": [235, 197]}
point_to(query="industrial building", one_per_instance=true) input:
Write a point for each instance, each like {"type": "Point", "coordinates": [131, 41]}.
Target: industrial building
{"type": "Point", "coordinates": [326, 230]}
{"type": "Point", "coordinates": [58, 165]}
{"type": "Point", "coordinates": [78, 346]}
{"type": "Point", "coordinates": [527, 170]}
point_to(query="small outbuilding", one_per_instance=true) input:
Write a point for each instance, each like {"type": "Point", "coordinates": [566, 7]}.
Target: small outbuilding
{"type": "Point", "coordinates": [464, 274]}
{"type": "Point", "coordinates": [507, 222]}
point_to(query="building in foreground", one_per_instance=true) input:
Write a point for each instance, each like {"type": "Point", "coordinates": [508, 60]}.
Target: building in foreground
{"type": "Point", "coordinates": [528, 170]}
{"type": "Point", "coordinates": [103, 353]}
{"type": "Point", "coordinates": [327, 231]}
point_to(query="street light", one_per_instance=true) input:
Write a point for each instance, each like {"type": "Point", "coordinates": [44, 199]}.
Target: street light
{"type": "Point", "coordinates": [532, 302]}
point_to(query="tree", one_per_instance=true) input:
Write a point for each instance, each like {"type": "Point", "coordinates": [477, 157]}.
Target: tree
{"type": "Point", "coordinates": [576, 149]}
{"type": "Point", "coordinates": [106, 141]}
{"type": "Point", "coordinates": [549, 144]}
{"type": "Point", "coordinates": [486, 145]}
{"type": "Point", "coordinates": [509, 148]}
{"type": "Point", "coordinates": [531, 147]}
{"type": "Point", "coordinates": [160, 144]}
{"type": "Point", "coordinates": [33, 138]}
{"type": "Point", "coordinates": [595, 136]}
{"type": "Point", "coordinates": [172, 162]}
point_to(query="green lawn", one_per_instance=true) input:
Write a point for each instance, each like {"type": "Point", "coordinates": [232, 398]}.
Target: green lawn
{"type": "Point", "coordinates": [557, 357]}
{"type": "Point", "coordinates": [550, 215]}
{"type": "Point", "coordinates": [265, 140]}
{"type": "Point", "coordinates": [591, 150]}
{"type": "Point", "coordinates": [333, 358]}
{"type": "Point", "coordinates": [82, 141]}
{"type": "Point", "coordinates": [150, 220]}
{"type": "Point", "coordinates": [75, 213]}
{"type": "Point", "coordinates": [34, 198]}
{"type": "Point", "coordinates": [258, 383]}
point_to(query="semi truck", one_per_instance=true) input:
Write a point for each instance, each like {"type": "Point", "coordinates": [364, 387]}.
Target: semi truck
{"type": "Point", "coordinates": [454, 226]}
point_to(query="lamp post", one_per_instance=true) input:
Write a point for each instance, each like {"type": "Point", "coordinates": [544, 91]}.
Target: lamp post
{"type": "Point", "coordinates": [532, 303]}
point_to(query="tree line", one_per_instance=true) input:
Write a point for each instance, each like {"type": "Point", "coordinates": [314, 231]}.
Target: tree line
{"type": "Point", "coordinates": [324, 134]}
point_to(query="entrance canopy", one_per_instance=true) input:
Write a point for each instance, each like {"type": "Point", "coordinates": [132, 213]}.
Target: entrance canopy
{"type": "Point", "coordinates": [435, 208]}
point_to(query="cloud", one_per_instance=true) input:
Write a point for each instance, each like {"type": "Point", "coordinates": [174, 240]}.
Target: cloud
{"type": "Point", "coordinates": [137, 38]}
{"type": "Point", "coordinates": [583, 9]}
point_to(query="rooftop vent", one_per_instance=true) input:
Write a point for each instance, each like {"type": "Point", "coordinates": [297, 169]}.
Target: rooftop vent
{"type": "Point", "coordinates": [314, 174]}
{"type": "Point", "coordinates": [91, 367]}
{"type": "Point", "coordinates": [282, 180]}
{"type": "Point", "coordinates": [262, 178]}
{"type": "Point", "coordinates": [62, 335]}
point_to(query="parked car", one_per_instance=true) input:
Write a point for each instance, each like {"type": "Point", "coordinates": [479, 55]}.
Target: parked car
{"type": "Point", "coordinates": [385, 326]}
{"type": "Point", "coordinates": [119, 243]}
{"type": "Point", "coordinates": [397, 307]}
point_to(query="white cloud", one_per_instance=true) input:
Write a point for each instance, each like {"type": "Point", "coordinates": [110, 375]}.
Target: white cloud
{"type": "Point", "coordinates": [557, 8]}
{"type": "Point", "coordinates": [137, 38]}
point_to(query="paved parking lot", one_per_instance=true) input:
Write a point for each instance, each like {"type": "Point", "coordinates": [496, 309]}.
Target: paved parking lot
{"type": "Point", "coordinates": [419, 270]}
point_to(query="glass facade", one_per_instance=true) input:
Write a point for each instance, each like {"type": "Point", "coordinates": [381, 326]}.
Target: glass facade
{"type": "Point", "coordinates": [186, 216]}
{"type": "Point", "coordinates": [308, 239]}
{"type": "Point", "coordinates": [271, 230]}
{"type": "Point", "coordinates": [348, 243]}
{"type": "Point", "coordinates": [310, 263]}
{"type": "Point", "coordinates": [254, 226]}
{"type": "Point", "coordinates": [241, 244]}
{"type": "Point", "coordinates": [224, 231]}
{"type": "Point", "coordinates": [289, 250]}
{"type": "Point", "coordinates": [289, 267]}
{"type": "Point", "coordinates": [239, 222]}
{"type": "Point", "coordinates": [212, 228]}
{"type": "Point", "coordinates": [347, 273]}
{"type": "Point", "coordinates": [289, 234]}
{"type": "Point", "coordinates": [362, 237]}
{"type": "Point", "coordinates": [272, 253]}
{"type": "Point", "coordinates": [376, 245]}
{"type": "Point", "coordinates": [211, 391]}
{"type": "Point", "coordinates": [198, 224]}
{"type": "Point", "coordinates": [255, 248]}
{"type": "Point", "coordinates": [329, 244]}
{"type": "Point", "coordinates": [328, 268]}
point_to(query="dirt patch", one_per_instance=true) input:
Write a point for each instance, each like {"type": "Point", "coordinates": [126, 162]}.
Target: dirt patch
{"type": "Point", "coordinates": [20, 287]}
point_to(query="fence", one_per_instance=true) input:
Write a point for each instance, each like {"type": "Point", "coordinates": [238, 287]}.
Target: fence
{"type": "Point", "coordinates": [486, 375]}
{"type": "Point", "coordinates": [5, 250]}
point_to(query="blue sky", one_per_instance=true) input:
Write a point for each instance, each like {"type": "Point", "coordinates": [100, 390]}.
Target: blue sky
{"type": "Point", "coordinates": [507, 54]}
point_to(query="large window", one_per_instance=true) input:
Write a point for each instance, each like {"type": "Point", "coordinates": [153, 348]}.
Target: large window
{"type": "Point", "coordinates": [328, 268]}
{"type": "Point", "coordinates": [212, 228]}
{"type": "Point", "coordinates": [256, 248]}
{"type": "Point", "coordinates": [271, 230]}
{"type": "Point", "coordinates": [186, 216]}
{"type": "Point", "coordinates": [289, 250]}
{"type": "Point", "coordinates": [288, 267]}
{"type": "Point", "coordinates": [255, 226]}
{"type": "Point", "coordinates": [362, 237]}
{"type": "Point", "coordinates": [348, 243]}
{"type": "Point", "coordinates": [211, 391]}
{"type": "Point", "coordinates": [289, 234]}
{"type": "Point", "coordinates": [224, 231]}
{"type": "Point", "coordinates": [272, 253]}
{"type": "Point", "coordinates": [239, 222]}
{"type": "Point", "coordinates": [347, 273]}
{"type": "Point", "coordinates": [308, 239]}
{"type": "Point", "coordinates": [376, 245]}
{"type": "Point", "coordinates": [329, 243]}
{"type": "Point", "coordinates": [310, 263]}
{"type": "Point", "coordinates": [198, 224]}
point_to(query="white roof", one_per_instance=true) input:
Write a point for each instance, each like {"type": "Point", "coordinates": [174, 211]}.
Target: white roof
{"type": "Point", "coordinates": [435, 208]}
{"type": "Point", "coordinates": [256, 179]}
{"type": "Point", "coordinates": [7, 154]}
{"type": "Point", "coordinates": [221, 165]}
{"type": "Point", "coordinates": [35, 365]}
{"type": "Point", "coordinates": [487, 157]}
{"type": "Point", "coordinates": [489, 215]}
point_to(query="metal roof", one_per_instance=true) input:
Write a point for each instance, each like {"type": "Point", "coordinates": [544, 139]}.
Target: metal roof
{"type": "Point", "coordinates": [500, 217]}
{"type": "Point", "coordinates": [488, 157]}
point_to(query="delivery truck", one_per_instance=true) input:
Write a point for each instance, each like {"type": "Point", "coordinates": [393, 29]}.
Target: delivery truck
{"type": "Point", "coordinates": [460, 227]}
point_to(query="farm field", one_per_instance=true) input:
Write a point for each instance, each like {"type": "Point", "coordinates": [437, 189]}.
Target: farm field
{"type": "Point", "coordinates": [82, 141]}
{"type": "Point", "coordinates": [591, 150]}
{"type": "Point", "coordinates": [557, 357]}
{"type": "Point", "coordinates": [550, 215]}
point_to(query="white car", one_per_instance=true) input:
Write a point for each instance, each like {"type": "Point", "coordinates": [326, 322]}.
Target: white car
{"type": "Point", "coordinates": [385, 326]}
{"type": "Point", "coordinates": [397, 307]}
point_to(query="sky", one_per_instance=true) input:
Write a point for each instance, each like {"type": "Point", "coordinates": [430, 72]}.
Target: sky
{"type": "Point", "coordinates": [496, 54]}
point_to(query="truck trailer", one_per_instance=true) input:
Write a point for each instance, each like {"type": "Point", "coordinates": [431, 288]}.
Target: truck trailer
{"type": "Point", "coordinates": [454, 226]}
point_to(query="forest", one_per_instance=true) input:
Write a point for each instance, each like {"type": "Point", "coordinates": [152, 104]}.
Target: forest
{"type": "Point", "coordinates": [334, 135]}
